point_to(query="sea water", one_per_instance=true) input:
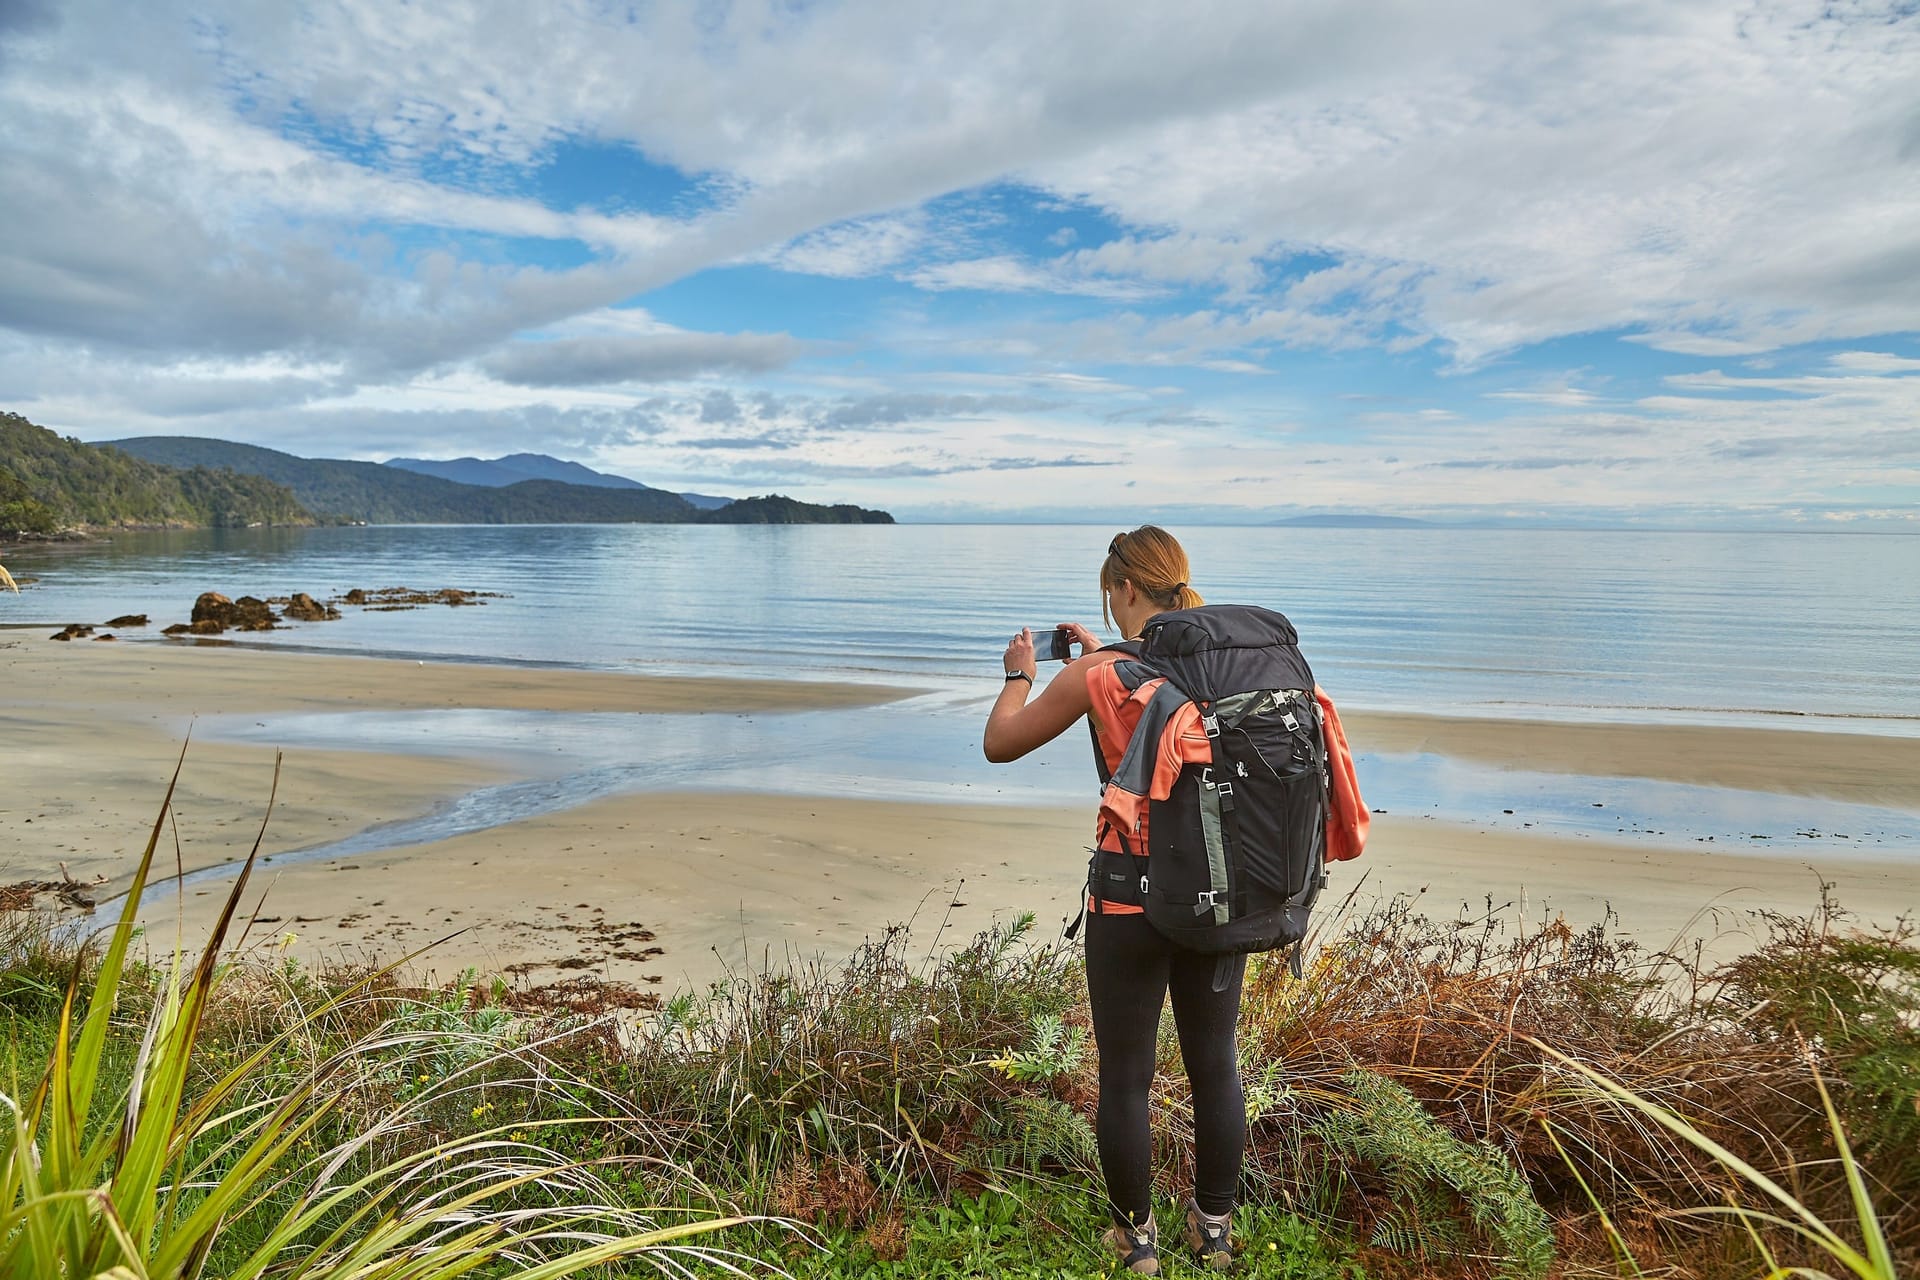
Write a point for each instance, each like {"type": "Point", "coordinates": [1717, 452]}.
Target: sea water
{"type": "Point", "coordinates": [1707, 627]}
{"type": "Point", "coordinates": [1814, 630]}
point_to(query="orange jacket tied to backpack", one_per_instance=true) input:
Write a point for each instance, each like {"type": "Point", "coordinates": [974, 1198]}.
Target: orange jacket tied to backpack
{"type": "Point", "coordinates": [1228, 780]}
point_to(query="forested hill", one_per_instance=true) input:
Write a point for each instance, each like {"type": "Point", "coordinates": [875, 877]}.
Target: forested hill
{"type": "Point", "coordinates": [367, 491]}
{"type": "Point", "coordinates": [377, 494]}
{"type": "Point", "coordinates": [778, 509]}
{"type": "Point", "coordinates": [49, 483]}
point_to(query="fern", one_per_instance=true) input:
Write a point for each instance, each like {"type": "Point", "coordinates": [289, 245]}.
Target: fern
{"type": "Point", "coordinates": [1036, 1131]}
{"type": "Point", "coordinates": [1434, 1178]}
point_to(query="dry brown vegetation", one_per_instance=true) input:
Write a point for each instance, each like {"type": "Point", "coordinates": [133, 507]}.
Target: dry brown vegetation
{"type": "Point", "coordinates": [1460, 1013]}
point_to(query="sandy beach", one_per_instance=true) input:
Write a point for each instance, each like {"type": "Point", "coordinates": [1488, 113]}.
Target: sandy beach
{"type": "Point", "coordinates": [663, 890]}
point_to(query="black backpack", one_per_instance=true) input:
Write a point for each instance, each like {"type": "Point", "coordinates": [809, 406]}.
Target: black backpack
{"type": "Point", "coordinates": [1235, 856]}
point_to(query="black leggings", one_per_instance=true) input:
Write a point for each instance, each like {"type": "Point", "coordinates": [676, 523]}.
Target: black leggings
{"type": "Point", "coordinates": [1130, 969]}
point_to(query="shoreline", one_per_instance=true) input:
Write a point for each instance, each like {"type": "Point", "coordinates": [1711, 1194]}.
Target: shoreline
{"type": "Point", "coordinates": [1860, 768]}
{"type": "Point", "coordinates": [719, 881]}
{"type": "Point", "coordinates": [674, 890]}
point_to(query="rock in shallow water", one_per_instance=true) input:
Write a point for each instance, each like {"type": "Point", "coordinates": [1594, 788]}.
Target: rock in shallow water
{"type": "Point", "coordinates": [302, 607]}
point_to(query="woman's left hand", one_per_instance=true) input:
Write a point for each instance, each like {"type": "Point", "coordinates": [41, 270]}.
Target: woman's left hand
{"type": "Point", "coordinates": [1019, 656]}
{"type": "Point", "coordinates": [1087, 641]}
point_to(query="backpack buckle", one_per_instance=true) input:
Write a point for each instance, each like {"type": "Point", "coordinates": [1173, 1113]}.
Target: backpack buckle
{"type": "Point", "coordinates": [1143, 886]}
{"type": "Point", "coordinates": [1211, 723]}
{"type": "Point", "coordinates": [1291, 721]}
{"type": "Point", "coordinates": [1206, 902]}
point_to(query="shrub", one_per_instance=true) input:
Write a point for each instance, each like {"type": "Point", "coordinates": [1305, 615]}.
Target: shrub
{"type": "Point", "coordinates": [1853, 996]}
{"type": "Point", "coordinates": [877, 1064]}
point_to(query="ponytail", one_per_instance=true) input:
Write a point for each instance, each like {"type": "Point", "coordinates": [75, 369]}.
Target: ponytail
{"type": "Point", "coordinates": [1154, 562]}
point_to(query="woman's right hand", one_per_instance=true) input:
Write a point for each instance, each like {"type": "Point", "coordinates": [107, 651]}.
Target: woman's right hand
{"type": "Point", "coordinates": [1087, 641]}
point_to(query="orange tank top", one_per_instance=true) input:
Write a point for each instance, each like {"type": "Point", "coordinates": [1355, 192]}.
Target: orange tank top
{"type": "Point", "coordinates": [1115, 712]}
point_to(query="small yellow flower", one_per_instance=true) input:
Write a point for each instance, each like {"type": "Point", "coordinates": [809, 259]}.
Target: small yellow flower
{"type": "Point", "coordinates": [424, 1077]}
{"type": "Point", "coordinates": [482, 1109]}
{"type": "Point", "coordinates": [518, 1135]}
{"type": "Point", "coordinates": [1272, 1247]}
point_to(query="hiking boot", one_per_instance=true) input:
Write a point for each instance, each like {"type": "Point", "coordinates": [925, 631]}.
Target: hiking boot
{"type": "Point", "coordinates": [1208, 1239]}
{"type": "Point", "coordinates": [1136, 1247]}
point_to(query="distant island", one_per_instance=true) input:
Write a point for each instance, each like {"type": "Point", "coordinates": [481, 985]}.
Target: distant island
{"type": "Point", "coordinates": [1353, 522]}
{"type": "Point", "coordinates": [50, 485]}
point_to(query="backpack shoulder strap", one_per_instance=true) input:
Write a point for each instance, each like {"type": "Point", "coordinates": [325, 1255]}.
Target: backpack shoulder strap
{"type": "Point", "coordinates": [1131, 649]}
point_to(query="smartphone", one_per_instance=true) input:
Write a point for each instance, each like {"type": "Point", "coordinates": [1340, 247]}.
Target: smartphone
{"type": "Point", "coordinates": [1052, 644]}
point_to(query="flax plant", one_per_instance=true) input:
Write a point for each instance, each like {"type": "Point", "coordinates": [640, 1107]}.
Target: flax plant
{"type": "Point", "coordinates": [158, 1184]}
{"type": "Point", "coordinates": [1872, 1261]}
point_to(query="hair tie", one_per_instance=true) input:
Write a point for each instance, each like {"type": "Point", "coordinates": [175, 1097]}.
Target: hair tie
{"type": "Point", "coordinates": [1178, 587]}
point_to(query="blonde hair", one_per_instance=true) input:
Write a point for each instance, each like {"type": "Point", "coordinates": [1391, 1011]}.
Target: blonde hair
{"type": "Point", "coordinates": [1154, 562]}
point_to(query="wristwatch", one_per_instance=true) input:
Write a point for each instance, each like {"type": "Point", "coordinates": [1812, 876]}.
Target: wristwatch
{"type": "Point", "coordinates": [1019, 675]}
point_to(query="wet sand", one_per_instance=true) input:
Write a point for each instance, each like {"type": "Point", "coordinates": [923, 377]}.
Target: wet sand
{"type": "Point", "coordinates": [670, 889]}
{"type": "Point", "coordinates": [1855, 767]}
{"type": "Point", "coordinates": [93, 732]}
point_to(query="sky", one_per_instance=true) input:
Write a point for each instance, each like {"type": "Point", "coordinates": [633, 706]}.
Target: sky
{"type": "Point", "coordinates": [1229, 261]}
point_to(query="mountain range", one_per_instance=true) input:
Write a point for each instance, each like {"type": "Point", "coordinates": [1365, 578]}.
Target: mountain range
{"type": "Point", "coordinates": [376, 493]}
{"type": "Point", "coordinates": [50, 483]}
{"type": "Point", "coordinates": [498, 473]}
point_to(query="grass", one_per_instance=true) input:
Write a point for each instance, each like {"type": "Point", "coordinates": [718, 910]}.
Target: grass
{"type": "Point", "coordinates": [1467, 1096]}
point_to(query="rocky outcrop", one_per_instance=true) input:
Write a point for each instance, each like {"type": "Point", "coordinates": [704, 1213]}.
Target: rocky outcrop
{"type": "Point", "coordinates": [211, 606]}
{"type": "Point", "coordinates": [129, 620]}
{"type": "Point", "coordinates": [214, 613]}
{"type": "Point", "coordinates": [301, 607]}
{"type": "Point", "coordinates": [78, 631]}
{"type": "Point", "coordinates": [390, 598]}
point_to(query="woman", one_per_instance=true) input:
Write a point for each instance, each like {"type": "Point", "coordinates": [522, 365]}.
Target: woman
{"type": "Point", "coordinates": [1130, 968]}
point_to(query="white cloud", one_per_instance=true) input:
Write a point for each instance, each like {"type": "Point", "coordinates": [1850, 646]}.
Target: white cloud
{"type": "Point", "coordinates": [1173, 259]}
{"type": "Point", "coordinates": [1699, 344]}
{"type": "Point", "coordinates": [1670, 166]}
{"type": "Point", "coordinates": [1005, 273]}
{"type": "Point", "coordinates": [1873, 362]}
{"type": "Point", "coordinates": [851, 249]}
{"type": "Point", "coordinates": [666, 357]}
